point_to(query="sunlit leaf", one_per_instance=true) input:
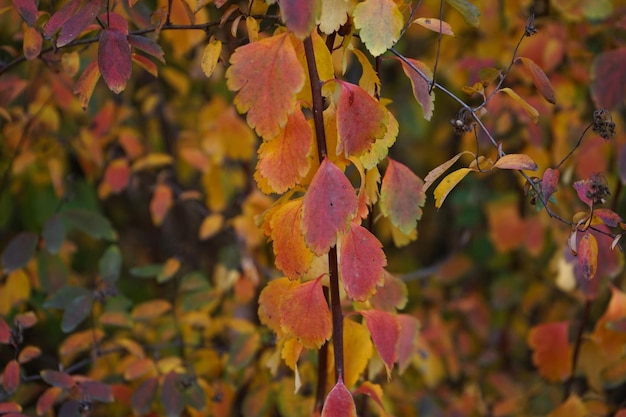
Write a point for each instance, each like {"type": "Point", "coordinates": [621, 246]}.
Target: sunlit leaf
{"type": "Point", "coordinates": [532, 112]}
{"type": "Point", "coordinates": [79, 342]}
{"type": "Point", "coordinates": [421, 88]}
{"type": "Point", "coordinates": [447, 184]}
{"type": "Point", "coordinates": [267, 75]}
{"type": "Point", "coordinates": [540, 79]}
{"type": "Point", "coordinates": [169, 270]}
{"type": "Point", "coordinates": [516, 161]}
{"type": "Point", "coordinates": [300, 15]}
{"type": "Point", "coordinates": [151, 161]}
{"type": "Point", "coordinates": [334, 14]}
{"type": "Point", "coordinates": [611, 341]}
{"type": "Point", "coordinates": [117, 175]}
{"type": "Point", "coordinates": [369, 80]}
{"type": "Point", "coordinates": [329, 205]}
{"type": "Point", "coordinates": [385, 331]}
{"type": "Point", "coordinates": [380, 23]}
{"type": "Point", "coordinates": [211, 55]}
{"type": "Point", "coordinates": [437, 172]}
{"type": "Point", "coordinates": [47, 399]}
{"type": "Point", "coordinates": [358, 350]}
{"type": "Point", "coordinates": [362, 263]}
{"type": "Point", "coordinates": [19, 251]}
{"type": "Point", "coordinates": [552, 353]}
{"type": "Point", "coordinates": [270, 300]}
{"type": "Point", "coordinates": [304, 314]}
{"type": "Point", "coordinates": [210, 226]}
{"type": "Point", "coordinates": [374, 391]}
{"type": "Point", "coordinates": [339, 402]}
{"type": "Point", "coordinates": [402, 196]}
{"type": "Point", "coordinates": [381, 146]}
{"type": "Point", "coordinates": [435, 25]}
{"type": "Point", "coordinates": [469, 11]}
{"type": "Point", "coordinates": [28, 353]}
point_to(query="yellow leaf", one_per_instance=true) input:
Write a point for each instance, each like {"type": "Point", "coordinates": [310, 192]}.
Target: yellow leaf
{"type": "Point", "coordinates": [572, 407]}
{"type": "Point", "coordinates": [435, 25]}
{"type": "Point", "coordinates": [253, 28]}
{"type": "Point", "coordinates": [447, 184]}
{"type": "Point", "coordinates": [211, 55]}
{"type": "Point", "coordinates": [532, 112]}
{"type": "Point", "coordinates": [380, 23]}
{"type": "Point", "coordinates": [380, 147]}
{"type": "Point", "coordinates": [152, 160]}
{"type": "Point", "coordinates": [357, 348]}
{"type": "Point", "coordinates": [170, 268]}
{"type": "Point", "coordinates": [369, 80]}
{"type": "Point", "coordinates": [18, 287]}
{"type": "Point", "coordinates": [210, 226]}
{"type": "Point", "coordinates": [334, 14]}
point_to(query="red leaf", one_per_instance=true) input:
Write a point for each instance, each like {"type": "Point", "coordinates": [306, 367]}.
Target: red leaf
{"type": "Point", "coordinates": [293, 256]}
{"type": "Point", "coordinates": [401, 196]}
{"type": "Point", "coordinates": [549, 183]}
{"type": "Point", "coordinates": [385, 331]}
{"type": "Point", "coordinates": [420, 86]}
{"type": "Point", "coordinates": [73, 26]}
{"type": "Point", "coordinates": [162, 200]}
{"type": "Point", "coordinates": [47, 400]}
{"type": "Point", "coordinates": [267, 76]}
{"type": "Point", "coordinates": [360, 120]}
{"type": "Point", "coordinates": [339, 402]}
{"type": "Point", "coordinates": [329, 205]}
{"type": "Point", "coordinates": [6, 407]}
{"type": "Point", "coordinates": [587, 254]}
{"type": "Point", "coordinates": [583, 189]}
{"type": "Point", "coordinates": [171, 396]}
{"type": "Point", "coordinates": [114, 59]}
{"type": "Point", "coordinates": [117, 174]}
{"type": "Point", "coordinates": [28, 10]}
{"type": "Point", "coordinates": [19, 251]}
{"type": "Point", "coordinates": [300, 15]}
{"type": "Point", "coordinates": [552, 353]}
{"type": "Point", "coordinates": [57, 379]}
{"type": "Point", "coordinates": [11, 376]}
{"type": "Point", "coordinates": [115, 21]}
{"type": "Point", "coordinates": [540, 79]}
{"type": "Point", "coordinates": [284, 160]}
{"type": "Point", "coordinates": [5, 332]}
{"type": "Point", "coordinates": [608, 86]}
{"type": "Point", "coordinates": [362, 263]}
{"type": "Point", "coordinates": [87, 83]}
{"type": "Point", "coordinates": [60, 17]}
{"type": "Point", "coordinates": [304, 314]}
{"type": "Point", "coordinates": [144, 395]}
{"type": "Point", "coordinates": [147, 45]}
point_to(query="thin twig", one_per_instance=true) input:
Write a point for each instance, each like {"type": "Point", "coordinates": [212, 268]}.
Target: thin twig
{"type": "Point", "coordinates": [430, 90]}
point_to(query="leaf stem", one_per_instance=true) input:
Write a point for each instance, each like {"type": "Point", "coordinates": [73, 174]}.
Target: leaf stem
{"type": "Point", "coordinates": [567, 389]}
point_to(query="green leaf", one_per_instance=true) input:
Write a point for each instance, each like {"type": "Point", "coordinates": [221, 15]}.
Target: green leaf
{"type": "Point", "coordinates": [147, 271]}
{"type": "Point", "coordinates": [90, 222]}
{"type": "Point", "coordinates": [53, 233]}
{"type": "Point", "coordinates": [469, 11]}
{"type": "Point", "coordinates": [76, 311]}
{"type": "Point", "coordinates": [64, 297]}
{"type": "Point", "coordinates": [111, 264]}
{"type": "Point", "coordinates": [19, 251]}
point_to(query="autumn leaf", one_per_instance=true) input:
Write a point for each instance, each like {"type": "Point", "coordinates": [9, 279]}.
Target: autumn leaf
{"type": "Point", "coordinates": [447, 184]}
{"type": "Point", "coordinates": [587, 254]}
{"type": "Point", "coordinates": [552, 353]}
{"type": "Point", "coordinates": [300, 15]}
{"type": "Point", "coordinates": [173, 401]}
{"type": "Point", "coordinates": [421, 88]}
{"type": "Point", "coordinates": [19, 251]}
{"type": "Point", "coordinates": [267, 76]}
{"type": "Point", "coordinates": [519, 161]}
{"type": "Point", "coordinates": [11, 376]}
{"type": "Point", "coordinates": [437, 172]}
{"type": "Point", "coordinates": [361, 120]}
{"type": "Point", "coordinates": [402, 196]}
{"type": "Point", "coordinates": [392, 295]}
{"type": "Point", "coordinates": [385, 331]}
{"type": "Point", "coordinates": [329, 205]}
{"type": "Point", "coordinates": [381, 146]}
{"type": "Point", "coordinates": [358, 350]}
{"type": "Point", "coordinates": [117, 175]}
{"type": "Point", "coordinates": [611, 341]}
{"type": "Point", "coordinates": [407, 342]}
{"type": "Point", "coordinates": [162, 201]}
{"type": "Point", "coordinates": [435, 25]}
{"type": "Point", "coordinates": [114, 59]}
{"type": "Point", "coordinates": [149, 310]}
{"type": "Point", "coordinates": [87, 83]}
{"type": "Point", "coordinates": [334, 14]}
{"type": "Point", "coordinates": [147, 45]}
{"type": "Point", "coordinates": [573, 406]}
{"type": "Point", "coordinates": [304, 314]}
{"type": "Point", "coordinates": [380, 23]}
{"type": "Point", "coordinates": [270, 300]}
{"type": "Point", "coordinates": [32, 43]}
{"type": "Point", "coordinates": [549, 183]}
{"type": "Point", "coordinates": [293, 256]}
{"type": "Point", "coordinates": [144, 395]}
{"type": "Point", "coordinates": [339, 402]}
{"type": "Point", "coordinates": [57, 379]}
{"type": "Point", "coordinates": [540, 79]}
{"type": "Point", "coordinates": [469, 11]}
{"type": "Point", "coordinates": [530, 110]}
{"type": "Point", "coordinates": [284, 160]}
{"type": "Point", "coordinates": [211, 55]}
{"type": "Point", "coordinates": [361, 263]}
{"type": "Point", "coordinates": [28, 10]}
{"type": "Point", "coordinates": [608, 80]}
{"type": "Point", "coordinates": [369, 80]}
{"type": "Point", "coordinates": [71, 21]}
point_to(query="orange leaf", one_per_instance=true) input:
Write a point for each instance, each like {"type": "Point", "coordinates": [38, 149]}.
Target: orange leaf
{"type": "Point", "coordinates": [300, 15]}
{"type": "Point", "coordinates": [540, 79]}
{"type": "Point", "coordinates": [284, 160]}
{"type": "Point", "coordinates": [80, 341]}
{"type": "Point", "coordinates": [47, 400]}
{"type": "Point", "coordinates": [361, 120]}
{"type": "Point", "coordinates": [374, 391]}
{"type": "Point", "coordinates": [552, 353]}
{"type": "Point", "coordinates": [329, 205]}
{"type": "Point", "coordinates": [572, 407]}
{"type": "Point", "coordinates": [267, 76]}
{"type": "Point", "coordinates": [435, 25]}
{"type": "Point", "coordinates": [420, 86]}
{"type": "Point", "coordinates": [293, 256]}
{"type": "Point", "coordinates": [32, 43]}
{"type": "Point", "coordinates": [150, 310]}
{"type": "Point", "coordinates": [587, 253]}
{"type": "Point", "coordinates": [270, 300]}
{"type": "Point", "coordinates": [532, 112]}
{"type": "Point", "coordinates": [28, 353]}
{"type": "Point", "coordinates": [210, 226]}
{"type": "Point", "coordinates": [117, 174]}
{"type": "Point", "coordinates": [402, 196]}
{"type": "Point", "coordinates": [114, 59]}
{"type": "Point", "coordinates": [385, 331]}
{"type": "Point", "coordinates": [362, 263]}
{"type": "Point", "coordinates": [11, 376]}
{"type": "Point", "coordinates": [139, 368]}
{"type": "Point", "coordinates": [160, 203]}
{"type": "Point", "coordinates": [516, 161]}
{"type": "Point", "coordinates": [339, 402]}
{"type": "Point", "coordinates": [304, 314]}
{"type": "Point", "coordinates": [87, 83]}
{"type": "Point", "coordinates": [611, 341]}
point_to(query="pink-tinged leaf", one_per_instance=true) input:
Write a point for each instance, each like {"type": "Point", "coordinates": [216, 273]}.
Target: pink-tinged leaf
{"type": "Point", "coordinates": [7, 407]}
{"type": "Point", "coordinates": [11, 376]}
{"type": "Point", "coordinates": [329, 205]}
{"type": "Point", "coordinates": [117, 175]}
{"type": "Point", "coordinates": [97, 391]}
{"type": "Point", "coordinates": [267, 76]}
{"type": "Point", "coordinates": [304, 314]}
{"type": "Point", "coordinates": [300, 15]}
{"type": "Point", "coordinates": [60, 17]}
{"type": "Point", "coordinates": [608, 217]}
{"type": "Point", "coordinates": [516, 161]}
{"type": "Point", "coordinates": [28, 10]}
{"type": "Point", "coordinates": [540, 79]}
{"type": "Point", "coordinates": [71, 28]}
{"type": "Point", "coordinates": [391, 296]}
{"type": "Point", "coordinates": [5, 332]}
{"type": "Point", "coordinates": [339, 402]}
{"type": "Point", "coordinates": [402, 196]}
{"type": "Point", "coordinates": [361, 120]}
{"type": "Point", "coordinates": [435, 25]}
{"type": "Point", "coordinates": [549, 183]}
{"type": "Point", "coordinates": [584, 192]}
{"type": "Point", "coordinates": [19, 251]}
{"type": "Point", "coordinates": [608, 85]}
{"type": "Point", "coordinates": [115, 21]}
{"type": "Point", "coordinates": [374, 391]}
{"type": "Point", "coordinates": [284, 161]}
{"type": "Point", "coordinates": [143, 396]}
{"type": "Point", "coordinates": [57, 379]}
{"type": "Point", "coordinates": [420, 86]}
{"type": "Point", "coordinates": [171, 396]}
{"type": "Point", "coordinates": [407, 342]}
{"type": "Point", "coordinates": [385, 331]}
{"type": "Point", "coordinates": [47, 400]}
{"type": "Point", "coordinates": [293, 256]}
{"type": "Point", "coordinates": [552, 353]}
{"type": "Point", "coordinates": [588, 255]}
{"type": "Point", "coordinates": [87, 83]}
{"type": "Point", "coordinates": [114, 59]}
{"type": "Point", "coordinates": [147, 45]}
{"type": "Point", "coordinates": [362, 263]}
{"type": "Point", "coordinates": [32, 43]}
